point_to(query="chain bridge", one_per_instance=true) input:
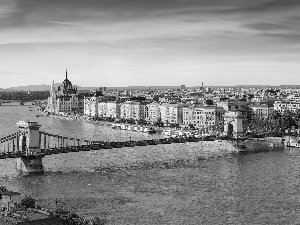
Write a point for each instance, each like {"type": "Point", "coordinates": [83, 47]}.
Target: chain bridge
{"type": "Point", "coordinates": [29, 145]}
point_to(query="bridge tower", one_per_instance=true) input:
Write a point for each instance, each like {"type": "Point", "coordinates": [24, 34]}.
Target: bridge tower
{"type": "Point", "coordinates": [233, 124]}
{"type": "Point", "coordinates": [29, 145]}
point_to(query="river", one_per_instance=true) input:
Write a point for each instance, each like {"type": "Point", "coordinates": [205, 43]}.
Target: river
{"type": "Point", "coordinates": [163, 184]}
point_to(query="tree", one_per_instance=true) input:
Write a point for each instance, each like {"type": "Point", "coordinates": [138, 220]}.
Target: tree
{"type": "Point", "coordinates": [191, 126]}
{"type": "Point", "coordinates": [122, 120]}
{"type": "Point", "coordinates": [2, 189]}
{"type": "Point", "coordinates": [158, 123]}
{"type": "Point", "coordinates": [97, 221]}
{"type": "Point", "coordinates": [130, 121]}
{"type": "Point", "coordinates": [142, 121]}
{"type": "Point", "coordinates": [174, 125]}
{"type": "Point", "coordinates": [28, 202]}
{"type": "Point", "coordinates": [209, 102]}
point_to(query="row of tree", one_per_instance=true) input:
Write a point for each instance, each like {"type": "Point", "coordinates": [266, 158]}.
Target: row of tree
{"type": "Point", "coordinates": [276, 124]}
{"type": "Point", "coordinates": [24, 95]}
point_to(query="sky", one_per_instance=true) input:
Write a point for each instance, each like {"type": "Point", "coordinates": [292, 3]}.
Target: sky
{"type": "Point", "coordinates": [110, 43]}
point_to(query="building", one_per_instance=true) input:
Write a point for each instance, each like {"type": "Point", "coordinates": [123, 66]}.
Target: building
{"type": "Point", "coordinates": [234, 105]}
{"type": "Point", "coordinates": [133, 110]}
{"type": "Point", "coordinates": [65, 99]}
{"type": "Point", "coordinates": [153, 112]}
{"type": "Point", "coordinates": [208, 116]}
{"type": "Point", "coordinates": [12, 213]}
{"type": "Point", "coordinates": [208, 89]}
{"type": "Point", "coordinates": [91, 106]}
{"type": "Point", "coordinates": [288, 105]}
{"type": "Point", "coordinates": [188, 116]}
{"type": "Point", "coordinates": [30, 217]}
{"type": "Point", "coordinates": [113, 109]}
{"type": "Point", "coordinates": [171, 113]}
{"type": "Point", "coordinates": [260, 111]}
{"type": "Point", "coordinates": [101, 108]}
{"type": "Point", "coordinates": [203, 116]}
{"type": "Point", "coordinates": [10, 200]}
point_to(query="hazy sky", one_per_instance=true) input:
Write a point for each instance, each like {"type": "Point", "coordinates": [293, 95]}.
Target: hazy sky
{"type": "Point", "coordinates": [150, 42]}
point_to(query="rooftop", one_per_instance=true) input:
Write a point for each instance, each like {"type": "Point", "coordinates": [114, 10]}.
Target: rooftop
{"type": "Point", "coordinates": [10, 193]}
{"type": "Point", "coordinates": [30, 218]}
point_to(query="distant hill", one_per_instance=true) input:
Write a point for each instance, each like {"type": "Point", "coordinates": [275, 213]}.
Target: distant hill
{"type": "Point", "coordinates": [45, 87]}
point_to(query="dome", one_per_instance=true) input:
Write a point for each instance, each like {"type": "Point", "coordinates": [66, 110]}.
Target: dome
{"type": "Point", "coordinates": [66, 87]}
{"type": "Point", "coordinates": [66, 83]}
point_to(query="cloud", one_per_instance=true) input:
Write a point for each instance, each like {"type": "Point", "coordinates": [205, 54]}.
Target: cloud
{"type": "Point", "coordinates": [267, 26]}
{"type": "Point", "coordinates": [129, 37]}
{"type": "Point", "coordinates": [279, 4]}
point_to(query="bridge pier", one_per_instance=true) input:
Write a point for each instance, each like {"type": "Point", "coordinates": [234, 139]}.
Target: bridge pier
{"type": "Point", "coordinates": [30, 164]}
{"type": "Point", "coordinates": [30, 160]}
{"type": "Point", "coordinates": [233, 124]}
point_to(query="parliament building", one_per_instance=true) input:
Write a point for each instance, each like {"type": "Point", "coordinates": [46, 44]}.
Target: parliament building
{"type": "Point", "coordinates": [66, 99]}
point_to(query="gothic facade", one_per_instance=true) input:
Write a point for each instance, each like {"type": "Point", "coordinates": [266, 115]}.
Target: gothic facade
{"type": "Point", "coordinates": [65, 99]}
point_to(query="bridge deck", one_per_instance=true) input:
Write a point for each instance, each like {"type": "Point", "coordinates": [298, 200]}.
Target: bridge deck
{"type": "Point", "coordinates": [98, 145]}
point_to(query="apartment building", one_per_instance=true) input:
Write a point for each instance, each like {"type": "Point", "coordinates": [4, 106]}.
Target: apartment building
{"type": "Point", "coordinates": [91, 106]}
{"type": "Point", "coordinates": [260, 111]}
{"type": "Point", "coordinates": [188, 115]}
{"type": "Point", "coordinates": [102, 108]}
{"type": "Point", "coordinates": [133, 110]}
{"type": "Point", "coordinates": [171, 113]}
{"type": "Point", "coordinates": [113, 109]}
{"type": "Point", "coordinates": [206, 116]}
{"type": "Point", "coordinates": [234, 105]}
{"type": "Point", "coordinates": [152, 112]}
{"type": "Point", "coordinates": [282, 106]}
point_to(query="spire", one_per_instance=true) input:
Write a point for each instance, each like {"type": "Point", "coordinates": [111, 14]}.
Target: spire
{"type": "Point", "coordinates": [66, 74]}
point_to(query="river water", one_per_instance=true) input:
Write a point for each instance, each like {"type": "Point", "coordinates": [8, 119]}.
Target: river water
{"type": "Point", "coordinates": [164, 184]}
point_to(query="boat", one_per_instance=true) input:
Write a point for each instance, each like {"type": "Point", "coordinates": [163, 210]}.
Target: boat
{"type": "Point", "coordinates": [75, 148]}
{"type": "Point", "coordinates": [241, 148]}
{"type": "Point", "coordinates": [46, 151]}
{"type": "Point", "coordinates": [165, 141]}
{"type": "Point", "coordinates": [63, 150]}
{"type": "Point", "coordinates": [151, 142]}
{"type": "Point", "coordinates": [136, 128]}
{"type": "Point", "coordinates": [129, 144]}
{"type": "Point", "coordinates": [158, 141]}
{"type": "Point", "coordinates": [12, 155]}
{"type": "Point", "coordinates": [292, 143]}
{"type": "Point", "coordinates": [3, 155]}
{"type": "Point", "coordinates": [149, 130]}
{"type": "Point", "coordinates": [261, 139]}
{"type": "Point", "coordinates": [191, 139]}
{"type": "Point", "coordinates": [168, 132]}
{"type": "Point", "coordinates": [106, 145]}
{"type": "Point", "coordinates": [181, 140]}
{"type": "Point", "coordinates": [116, 144]}
{"type": "Point", "coordinates": [85, 148]}
{"type": "Point", "coordinates": [54, 150]}
{"type": "Point", "coordinates": [141, 143]}
{"type": "Point", "coordinates": [115, 126]}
